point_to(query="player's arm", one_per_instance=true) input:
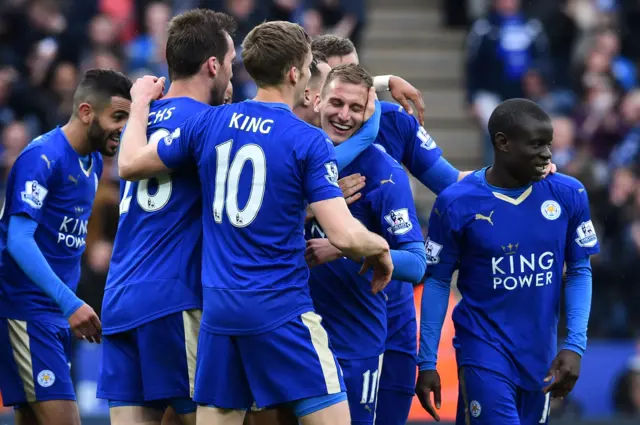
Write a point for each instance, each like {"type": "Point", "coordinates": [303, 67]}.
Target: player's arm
{"type": "Point", "coordinates": [328, 206]}
{"type": "Point", "coordinates": [422, 156]}
{"type": "Point", "coordinates": [34, 171]}
{"type": "Point", "coordinates": [139, 159]}
{"type": "Point", "coordinates": [344, 231]}
{"type": "Point", "coordinates": [403, 92]}
{"type": "Point", "coordinates": [581, 243]}
{"type": "Point", "coordinates": [442, 259]}
{"type": "Point", "coordinates": [363, 138]}
{"type": "Point", "coordinates": [23, 248]}
{"type": "Point", "coordinates": [394, 207]}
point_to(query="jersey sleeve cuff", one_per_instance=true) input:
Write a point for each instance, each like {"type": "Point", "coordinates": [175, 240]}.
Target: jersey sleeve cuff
{"type": "Point", "coordinates": [426, 365]}
{"type": "Point", "coordinates": [575, 348]}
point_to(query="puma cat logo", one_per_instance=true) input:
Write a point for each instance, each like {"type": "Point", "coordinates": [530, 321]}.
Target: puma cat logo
{"type": "Point", "coordinates": [484, 217]}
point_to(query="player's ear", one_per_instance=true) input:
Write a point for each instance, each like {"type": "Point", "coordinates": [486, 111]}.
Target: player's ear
{"type": "Point", "coordinates": [307, 98]}
{"type": "Point", "coordinates": [316, 103]}
{"type": "Point", "coordinates": [293, 75]}
{"type": "Point", "coordinates": [212, 65]}
{"type": "Point", "coordinates": [85, 113]}
{"type": "Point", "coordinates": [501, 143]}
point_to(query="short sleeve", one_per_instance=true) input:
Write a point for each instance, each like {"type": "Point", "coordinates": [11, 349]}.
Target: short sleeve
{"type": "Point", "coordinates": [582, 240]}
{"type": "Point", "coordinates": [396, 210]}
{"type": "Point", "coordinates": [33, 179]}
{"type": "Point", "coordinates": [442, 245]}
{"type": "Point", "coordinates": [320, 173]}
{"type": "Point", "coordinates": [420, 150]}
{"type": "Point", "coordinates": [176, 149]}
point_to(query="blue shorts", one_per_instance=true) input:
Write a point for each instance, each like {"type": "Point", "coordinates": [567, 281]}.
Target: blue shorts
{"type": "Point", "coordinates": [36, 362]}
{"type": "Point", "coordinates": [397, 387]}
{"type": "Point", "coordinates": [292, 362]}
{"type": "Point", "coordinates": [362, 378]}
{"type": "Point", "coordinates": [155, 361]}
{"type": "Point", "coordinates": [489, 398]}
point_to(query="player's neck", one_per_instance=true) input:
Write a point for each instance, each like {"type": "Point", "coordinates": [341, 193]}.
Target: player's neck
{"type": "Point", "coordinates": [274, 95]}
{"type": "Point", "coordinates": [499, 176]}
{"type": "Point", "coordinates": [192, 88]}
{"type": "Point", "coordinates": [76, 133]}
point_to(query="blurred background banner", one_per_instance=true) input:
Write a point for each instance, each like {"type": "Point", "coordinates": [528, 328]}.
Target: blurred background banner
{"type": "Point", "coordinates": [577, 58]}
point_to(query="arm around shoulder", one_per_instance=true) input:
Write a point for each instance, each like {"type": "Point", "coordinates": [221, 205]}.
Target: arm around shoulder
{"type": "Point", "coordinates": [344, 231]}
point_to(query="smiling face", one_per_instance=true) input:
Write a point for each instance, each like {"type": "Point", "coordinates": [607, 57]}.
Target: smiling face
{"type": "Point", "coordinates": [106, 126]}
{"type": "Point", "coordinates": [341, 106]}
{"type": "Point", "coordinates": [527, 152]}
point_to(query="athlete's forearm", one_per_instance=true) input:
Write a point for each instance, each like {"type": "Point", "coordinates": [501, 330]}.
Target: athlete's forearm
{"type": "Point", "coordinates": [345, 232]}
{"type": "Point", "coordinates": [138, 159]}
{"type": "Point", "coordinates": [577, 292]}
{"type": "Point", "coordinates": [439, 176]}
{"type": "Point", "coordinates": [433, 310]}
{"type": "Point", "coordinates": [22, 247]}
{"type": "Point", "coordinates": [350, 149]}
{"type": "Point", "coordinates": [409, 262]}
{"type": "Point", "coordinates": [359, 242]}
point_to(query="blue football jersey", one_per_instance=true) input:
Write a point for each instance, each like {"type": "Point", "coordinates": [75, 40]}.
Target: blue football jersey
{"type": "Point", "coordinates": [156, 262]}
{"type": "Point", "coordinates": [49, 184]}
{"type": "Point", "coordinates": [258, 165]}
{"type": "Point", "coordinates": [509, 252]}
{"type": "Point", "coordinates": [354, 317]}
{"type": "Point", "coordinates": [402, 137]}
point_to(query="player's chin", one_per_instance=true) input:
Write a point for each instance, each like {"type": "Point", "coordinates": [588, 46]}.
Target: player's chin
{"type": "Point", "coordinates": [110, 150]}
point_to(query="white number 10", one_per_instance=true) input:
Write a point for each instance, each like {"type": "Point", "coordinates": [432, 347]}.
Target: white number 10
{"type": "Point", "coordinates": [228, 179]}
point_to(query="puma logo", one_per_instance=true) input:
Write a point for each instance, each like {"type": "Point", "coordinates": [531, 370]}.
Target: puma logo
{"type": "Point", "coordinates": [437, 212]}
{"type": "Point", "coordinates": [389, 180]}
{"type": "Point", "coordinates": [44, 157]}
{"type": "Point", "coordinates": [581, 190]}
{"type": "Point", "coordinates": [73, 179]}
{"type": "Point", "coordinates": [486, 218]}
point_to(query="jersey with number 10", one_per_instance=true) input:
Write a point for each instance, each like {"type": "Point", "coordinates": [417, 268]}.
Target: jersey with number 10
{"type": "Point", "coordinates": [156, 262]}
{"type": "Point", "coordinates": [510, 252]}
{"type": "Point", "coordinates": [258, 165]}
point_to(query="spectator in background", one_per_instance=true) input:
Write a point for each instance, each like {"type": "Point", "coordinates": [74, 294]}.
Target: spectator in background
{"type": "Point", "coordinates": [600, 126]}
{"type": "Point", "coordinates": [344, 18]}
{"type": "Point", "coordinates": [146, 53]}
{"type": "Point", "coordinates": [501, 49]}
{"type": "Point", "coordinates": [627, 152]}
{"type": "Point", "coordinates": [626, 397]}
{"type": "Point", "coordinates": [15, 137]}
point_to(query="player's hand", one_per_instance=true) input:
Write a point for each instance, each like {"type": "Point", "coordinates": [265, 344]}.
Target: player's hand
{"type": "Point", "coordinates": [382, 270]}
{"type": "Point", "coordinates": [351, 187]}
{"type": "Point", "coordinates": [371, 104]}
{"type": "Point", "coordinates": [85, 324]}
{"type": "Point", "coordinates": [403, 92]}
{"type": "Point", "coordinates": [320, 251]}
{"type": "Point", "coordinates": [147, 89]}
{"type": "Point", "coordinates": [564, 372]}
{"type": "Point", "coordinates": [551, 169]}
{"type": "Point", "coordinates": [429, 382]}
